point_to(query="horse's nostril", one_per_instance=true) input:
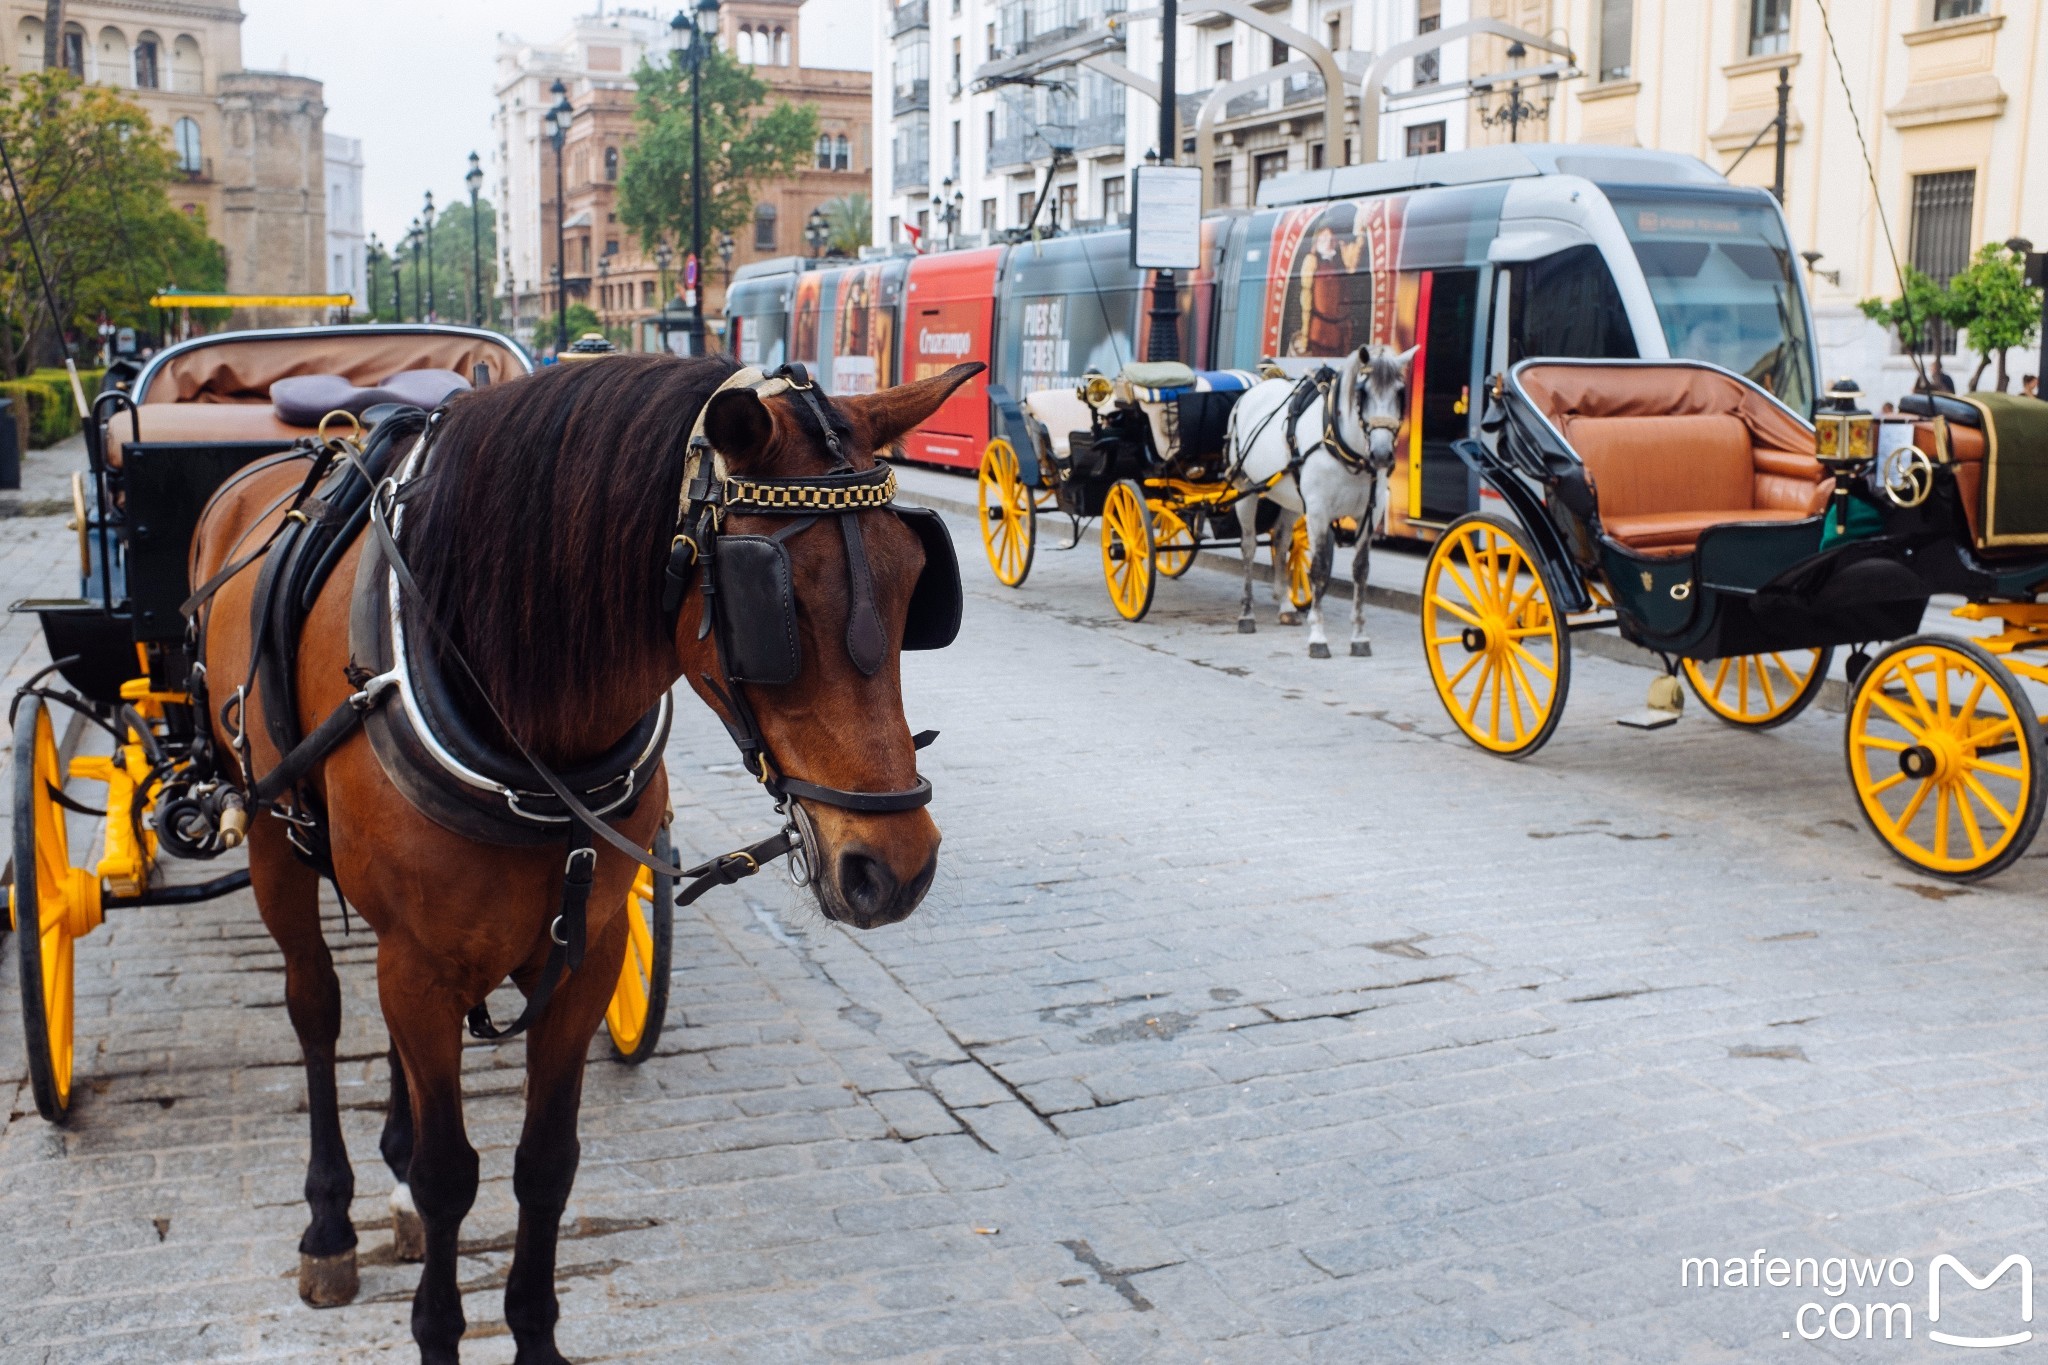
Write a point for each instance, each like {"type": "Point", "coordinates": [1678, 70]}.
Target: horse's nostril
{"type": "Point", "coordinates": [867, 884]}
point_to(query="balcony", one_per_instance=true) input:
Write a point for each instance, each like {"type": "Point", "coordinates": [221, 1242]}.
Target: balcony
{"type": "Point", "coordinates": [1100, 130]}
{"type": "Point", "coordinates": [911, 175]}
{"type": "Point", "coordinates": [1250, 102]}
{"type": "Point", "coordinates": [1029, 27]}
{"type": "Point", "coordinates": [914, 97]}
{"type": "Point", "coordinates": [912, 14]}
{"type": "Point", "coordinates": [1014, 149]}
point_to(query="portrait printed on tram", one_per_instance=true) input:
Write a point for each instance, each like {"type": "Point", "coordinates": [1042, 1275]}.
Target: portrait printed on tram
{"type": "Point", "coordinates": [803, 323]}
{"type": "Point", "coordinates": [1329, 286]}
{"type": "Point", "coordinates": [863, 335]}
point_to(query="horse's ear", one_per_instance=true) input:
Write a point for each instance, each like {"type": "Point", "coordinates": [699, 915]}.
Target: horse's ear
{"type": "Point", "coordinates": [737, 424]}
{"type": "Point", "coordinates": [884, 418]}
{"type": "Point", "coordinates": [1407, 357]}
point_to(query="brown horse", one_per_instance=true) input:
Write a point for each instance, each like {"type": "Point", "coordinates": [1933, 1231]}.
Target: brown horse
{"type": "Point", "coordinates": [539, 538]}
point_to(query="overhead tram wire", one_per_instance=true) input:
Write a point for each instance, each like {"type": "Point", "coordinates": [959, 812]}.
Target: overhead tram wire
{"type": "Point", "coordinates": [1876, 195]}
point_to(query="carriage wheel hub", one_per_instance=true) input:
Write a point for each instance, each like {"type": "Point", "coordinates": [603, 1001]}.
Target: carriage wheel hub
{"type": "Point", "coordinates": [1937, 756]}
{"type": "Point", "coordinates": [1474, 639]}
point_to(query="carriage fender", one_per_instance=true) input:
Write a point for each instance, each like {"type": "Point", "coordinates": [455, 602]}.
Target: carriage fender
{"type": "Point", "coordinates": [1566, 583]}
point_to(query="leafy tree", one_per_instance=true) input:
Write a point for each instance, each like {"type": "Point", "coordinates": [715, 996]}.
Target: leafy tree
{"type": "Point", "coordinates": [852, 218]}
{"type": "Point", "coordinates": [743, 146]}
{"type": "Point", "coordinates": [448, 264]}
{"type": "Point", "coordinates": [1923, 303]}
{"type": "Point", "coordinates": [93, 170]}
{"type": "Point", "coordinates": [1995, 307]}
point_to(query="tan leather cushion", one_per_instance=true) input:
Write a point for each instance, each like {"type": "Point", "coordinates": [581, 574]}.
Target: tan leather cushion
{"type": "Point", "coordinates": [243, 371]}
{"type": "Point", "coordinates": [1636, 390]}
{"type": "Point", "coordinates": [1664, 464]}
{"type": "Point", "coordinates": [1661, 533]}
{"type": "Point", "coordinates": [197, 422]}
{"type": "Point", "coordinates": [1966, 446]}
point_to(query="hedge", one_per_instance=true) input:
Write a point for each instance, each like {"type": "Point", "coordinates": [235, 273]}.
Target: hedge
{"type": "Point", "coordinates": [44, 411]}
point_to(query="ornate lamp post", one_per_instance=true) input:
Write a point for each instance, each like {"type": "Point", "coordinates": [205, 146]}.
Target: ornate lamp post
{"type": "Point", "coordinates": [475, 181]}
{"type": "Point", "coordinates": [725, 248]}
{"type": "Point", "coordinates": [558, 116]}
{"type": "Point", "coordinates": [397, 282]}
{"type": "Point", "coordinates": [413, 239]}
{"type": "Point", "coordinates": [817, 231]}
{"type": "Point", "coordinates": [427, 217]}
{"type": "Point", "coordinates": [687, 43]}
{"type": "Point", "coordinates": [604, 290]}
{"type": "Point", "coordinates": [948, 206]}
{"type": "Point", "coordinates": [373, 256]}
{"type": "Point", "coordinates": [1515, 111]}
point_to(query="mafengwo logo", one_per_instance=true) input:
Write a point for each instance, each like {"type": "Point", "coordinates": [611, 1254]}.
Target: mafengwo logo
{"type": "Point", "coordinates": [1873, 1299]}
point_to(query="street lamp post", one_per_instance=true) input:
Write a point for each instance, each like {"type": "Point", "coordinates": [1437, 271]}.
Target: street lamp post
{"type": "Point", "coordinates": [948, 206]}
{"type": "Point", "coordinates": [1164, 343]}
{"type": "Point", "coordinates": [373, 256]}
{"type": "Point", "coordinates": [687, 41]}
{"type": "Point", "coordinates": [725, 247]}
{"type": "Point", "coordinates": [558, 116]}
{"type": "Point", "coordinates": [428, 218]}
{"type": "Point", "coordinates": [604, 290]}
{"type": "Point", "coordinates": [475, 181]}
{"type": "Point", "coordinates": [1515, 110]}
{"type": "Point", "coordinates": [397, 282]}
{"type": "Point", "coordinates": [817, 231]}
{"type": "Point", "coordinates": [418, 314]}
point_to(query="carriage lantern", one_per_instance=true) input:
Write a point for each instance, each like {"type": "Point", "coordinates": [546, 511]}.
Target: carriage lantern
{"type": "Point", "coordinates": [589, 345]}
{"type": "Point", "coordinates": [1844, 431]}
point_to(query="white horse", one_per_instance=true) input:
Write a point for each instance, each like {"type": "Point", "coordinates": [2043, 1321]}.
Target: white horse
{"type": "Point", "coordinates": [1325, 471]}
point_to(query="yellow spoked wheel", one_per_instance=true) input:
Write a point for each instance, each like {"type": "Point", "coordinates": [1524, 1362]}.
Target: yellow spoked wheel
{"type": "Point", "coordinates": [1759, 691]}
{"type": "Point", "coordinates": [52, 905]}
{"type": "Point", "coordinates": [1127, 559]}
{"type": "Point", "coordinates": [1301, 590]}
{"type": "Point", "coordinates": [1173, 541]}
{"type": "Point", "coordinates": [1945, 755]}
{"type": "Point", "coordinates": [640, 1003]}
{"type": "Point", "coordinates": [1009, 514]}
{"type": "Point", "coordinates": [1498, 653]}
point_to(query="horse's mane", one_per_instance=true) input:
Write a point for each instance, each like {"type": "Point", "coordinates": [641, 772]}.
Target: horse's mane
{"type": "Point", "coordinates": [540, 530]}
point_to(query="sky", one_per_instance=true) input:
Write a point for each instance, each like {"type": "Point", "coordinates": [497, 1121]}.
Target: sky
{"type": "Point", "coordinates": [412, 78]}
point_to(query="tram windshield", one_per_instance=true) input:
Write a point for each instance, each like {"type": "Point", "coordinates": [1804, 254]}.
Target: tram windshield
{"type": "Point", "coordinates": [1721, 275]}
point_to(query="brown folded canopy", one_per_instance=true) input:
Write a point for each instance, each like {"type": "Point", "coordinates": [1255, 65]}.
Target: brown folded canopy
{"type": "Point", "coordinates": [242, 371]}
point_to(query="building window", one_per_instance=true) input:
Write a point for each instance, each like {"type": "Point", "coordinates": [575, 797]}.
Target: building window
{"type": "Point", "coordinates": [1428, 19]}
{"type": "Point", "coordinates": [1265, 166]}
{"type": "Point", "coordinates": [611, 163]}
{"type": "Point", "coordinates": [611, 247]}
{"type": "Point", "coordinates": [188, 75]}
{"type": "Point", "coordinates": [842, 153]}
{"type": "Point", "coordinates": [988, 130]}
{"type": "Point", "coordinates": [895, 229]}
{"type": "Point", "coordinates": [1336, 33]}
{"type": "Point", "coordinates": [924, 224]}
{"type": "Point", "coordinates": [185, 142]}
{"type": "Point", "coordinates": [72, 55]}
{"type": "Point", "coordinates": [1026, 200]}
{"type": "Point", "coordinates": [824, 151]}
{"type": "Point", "coordinates": [1426, 138]}
{"type": "Point", "coordinates": [1956, 9]}
{"type": "Point", "coordinates": [764, 227]}
{"type": "Point", "coordinates": [991, 42]}
{"type": "Point", "coordinates": [1617, 35]}
{"type": "Point", "coordinates": [586, 255]}
{"type": "Point", "coordinates": [1315, 156]}
{"type": "Point", "coordinates": [956, 66]}
{"type": "Point", "coordinates": [1770, 27]}
{"type": "Point", "coordinates": [1219, 190]}
{"type": "Point", "coordinates": [1065, 209]}
{"type": "Point", "coordinates": [1113, 198]}
{"type": "Point", "coordinates": [1943, 208]}
{"type": "Point", "coordinates": [1279, 53]}
{"type": "Point", "coordinates": [1223, 52]}
{"type": "Point", "coordinates": [988, 215]}
{"type": "Point", "coordinates": [147, 67]}
{"type": "Point", "coordinates": [781, 54]}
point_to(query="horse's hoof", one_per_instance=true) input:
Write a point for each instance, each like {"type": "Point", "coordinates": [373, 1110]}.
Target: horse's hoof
{"type": "Point", "coordinates": [408, 1233]}
{"type": "Point", "coordinates": [328, 1281]}
{"type": "Point", "coordinates": [1361, 649]}
{"type": "Point", "coordinates": [1318, 649]}
{"type": "Point", "coordinates": [1247, 626]}
{"type": "Point", "coordinates": [1288, 618]}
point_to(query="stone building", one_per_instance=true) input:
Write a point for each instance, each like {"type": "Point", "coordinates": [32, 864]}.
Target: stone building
{"type": "Point", "coordinates": [606, 265]}
{"type": "Point", "coordinates": [250, 145]}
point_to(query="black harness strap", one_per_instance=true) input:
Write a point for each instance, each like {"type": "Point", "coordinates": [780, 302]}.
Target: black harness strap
{"type": "Point", "coordinates": [566, 937]}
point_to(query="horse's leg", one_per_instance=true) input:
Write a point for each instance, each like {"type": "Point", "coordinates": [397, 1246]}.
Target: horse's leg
{"type": "Point", "coordinates": [288, 898]}
{"type": "Point", "coordinates": [544, 1168]}
{"type": "Point", "coordinates": [1361, 565]}
{"type": "Point", "coordinates": [1283, 539]}
{"type": "Point", "coordinates": [408, 1236]}
{"type": "Point", "coordinates": [1319, 536]}
{"type": "Point", "coordinates": [426, 1027]}
{"type": "Point", "coordinates": [1248, 548]}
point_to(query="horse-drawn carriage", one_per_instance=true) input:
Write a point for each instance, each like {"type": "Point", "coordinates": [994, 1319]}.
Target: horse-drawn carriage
{"type": "Point", "coordinates": [1147, 453]}
{"type": "Point", "coordinates": [196, 417]}
{"type": "Point", "coordinates": [1711, 525]}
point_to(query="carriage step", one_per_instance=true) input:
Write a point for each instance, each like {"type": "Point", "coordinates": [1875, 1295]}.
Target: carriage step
{"type": "Point", "coordinates": [1649, 718]}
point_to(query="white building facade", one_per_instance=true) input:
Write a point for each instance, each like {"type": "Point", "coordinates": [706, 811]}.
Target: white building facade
{"type": "Point", "coordinates": [967, 152]}
{"type": "Point", "coordinates": [347, 269]}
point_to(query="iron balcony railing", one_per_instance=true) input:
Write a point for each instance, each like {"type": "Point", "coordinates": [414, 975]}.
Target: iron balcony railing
{"type": "Point", "coordinates": [912, 14]}
{"type": "Point", "coordinates": [913, 98]}
{"type": "Point", "coordinates": [911, 175]}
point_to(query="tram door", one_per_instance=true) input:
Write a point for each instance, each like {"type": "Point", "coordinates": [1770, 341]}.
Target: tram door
{"type": "Point", "coordinates": [1440, 486]}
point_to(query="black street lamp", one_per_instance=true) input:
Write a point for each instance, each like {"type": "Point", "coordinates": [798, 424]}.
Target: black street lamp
{"type": "Point", "coordinates": [397, 282]}
{"type": "Point", "coordinates": [817, 231]}
{"type": "Point", "coordinates": [475, 181]}
{"type": "Point", "coordinates": [1515, 110]}
{"type": "Point", "coordinates": [418, 313]}
{"type": "Point", "coordinates": [604, 289]}
{"type": "Point", "coordinates": [687, 43]}
{"type": "Point", "coordinates": [373, 256]}
{"type": "Point", "coordinates": [949, 206]}
{"type": "Point", "coordinates": [725, 249]}
{"type": "Point", "coordinates": [558, 116]}
{"type": "Point", "coordinates": [428, 218]}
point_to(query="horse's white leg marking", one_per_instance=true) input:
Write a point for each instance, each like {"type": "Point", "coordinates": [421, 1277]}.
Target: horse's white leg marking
{"type": "Point", "coordinates": [1361, 564]}
{"type": "Point", "coordinates": [1247, 546]}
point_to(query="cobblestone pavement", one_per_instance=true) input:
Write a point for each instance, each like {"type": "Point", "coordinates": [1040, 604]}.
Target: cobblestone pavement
{"type": "Point", "coordinates": [1255, 1016]}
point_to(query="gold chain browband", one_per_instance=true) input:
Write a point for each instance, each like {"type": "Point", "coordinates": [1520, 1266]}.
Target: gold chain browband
{"type": "Point", "coordinates": [742, 494]}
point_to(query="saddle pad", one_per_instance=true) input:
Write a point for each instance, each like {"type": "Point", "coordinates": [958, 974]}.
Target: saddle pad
{"type": "Point", "coordinates": [303, 400]}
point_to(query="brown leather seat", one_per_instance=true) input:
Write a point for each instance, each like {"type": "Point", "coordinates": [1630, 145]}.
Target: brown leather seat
{"type": "Point", "coordinates": [198, 423]}
{"type": "Point", "coordinates": [1673, 450]}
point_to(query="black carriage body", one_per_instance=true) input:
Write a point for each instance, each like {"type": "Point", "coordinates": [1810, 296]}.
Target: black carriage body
{"type": "Point", "coordinates": [166, 488]}
{"type": "Point", "coordinates": [1744, 588]}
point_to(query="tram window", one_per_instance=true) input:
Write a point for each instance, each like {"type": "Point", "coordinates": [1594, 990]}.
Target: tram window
{"type": "Point", "coordinates": [1567, 305]}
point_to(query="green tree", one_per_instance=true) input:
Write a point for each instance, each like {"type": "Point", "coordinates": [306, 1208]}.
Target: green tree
{"type": "Point", "coordinates": [743, 146]}
{"type": "Point", "coordinates": [852, 217]}
{"type": "Point", "coordinates": [1922, 304]}
{"type": "Point", "coordinates": [449, 265]}
{"type": "Point", "coordinates": [1995, 307]}
{"type": "Point", "coordinates": [93, 170]}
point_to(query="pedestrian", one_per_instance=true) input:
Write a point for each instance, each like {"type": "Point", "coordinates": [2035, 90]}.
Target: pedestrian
{"type": "Point", "coordinates": [2030, 385]}
{"type": "Point", "coordinates": [1938, 378]}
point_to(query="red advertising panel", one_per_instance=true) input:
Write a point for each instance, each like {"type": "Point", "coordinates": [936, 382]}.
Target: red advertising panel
{"type": "Point", "coordinates": [949, 317]}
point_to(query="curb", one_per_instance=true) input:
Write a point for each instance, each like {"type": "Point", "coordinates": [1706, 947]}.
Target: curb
{"type": "Point", "coordinates": [1834, 693]}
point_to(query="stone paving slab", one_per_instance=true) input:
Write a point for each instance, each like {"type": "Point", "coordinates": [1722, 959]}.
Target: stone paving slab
{"type": "Point", "coordinates": [1253, 1016]}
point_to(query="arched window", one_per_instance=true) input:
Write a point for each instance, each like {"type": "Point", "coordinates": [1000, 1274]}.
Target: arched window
{"type": "Point", "coordinates": [824, 151]}
{"type": "Point", "coordinates": [30, 55]}
{"type": "Point", "coordinates": [188, 71]}
{"type": "Point", "coordinates": [111, 57]}
{"type": "Point", "coordinates": [185, 141]}
{"type": "Point", "coordinates": [746, 52]}
{"type": "Point", "coordinates": [148, 62]}
{"type": "Point", "coordinates": [781, 57]}
{"type": "Point", "coordinates": [71, 50]}
{"type": "Point", "coordinates": [764, 227]}
{"type": "Point", "coordinates": [611, 163]}
{"type": "Point", "coordinates": [842, 158]}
